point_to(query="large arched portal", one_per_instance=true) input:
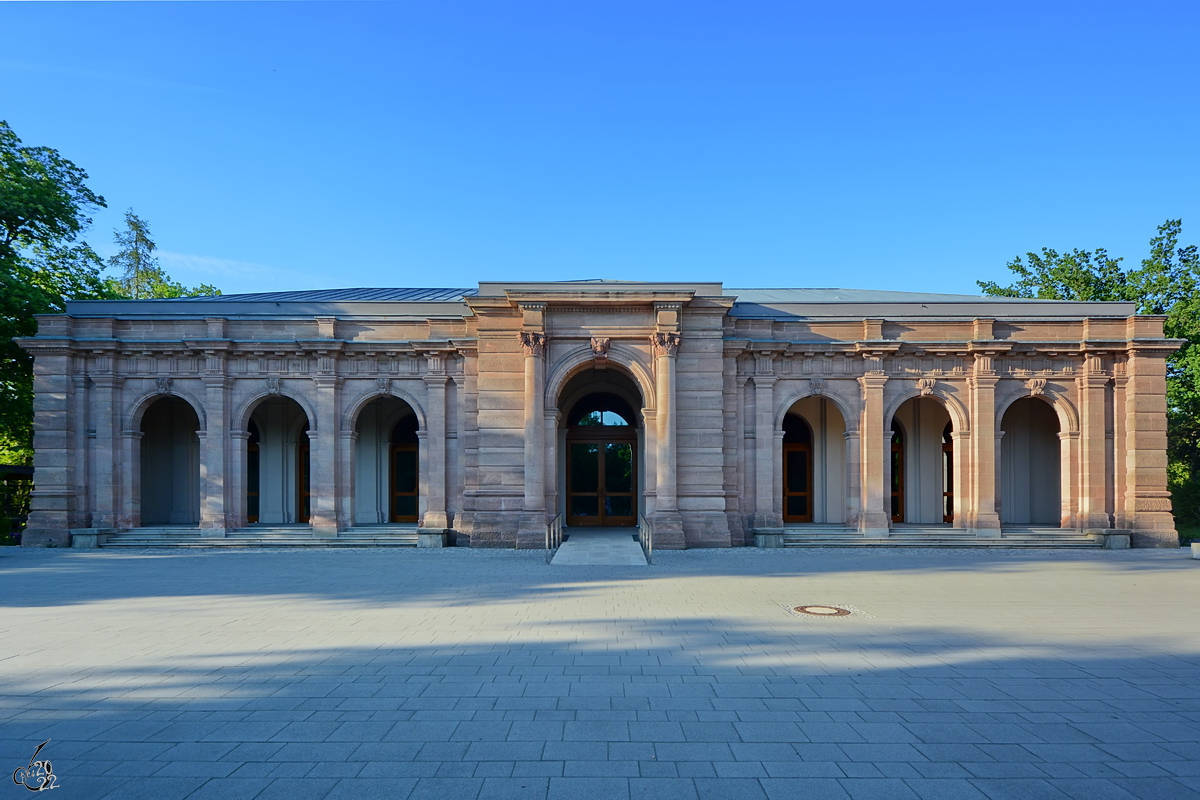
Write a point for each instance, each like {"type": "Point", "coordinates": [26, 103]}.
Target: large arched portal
{"type": "Point", "coordinates": [814, 462]}
{"type": "Point", "coordinates": [277, 464]}
{"type": "Point", "coordinates": [601, 441]}
{"type": "Point", "coordinates": [386, 464]}
{"type": "Point", "coordinates": [921, 463]}
{"type": "Point", "coordinates": [1030, 477]}
{"type": "Point", "coordinates": [170, 464]}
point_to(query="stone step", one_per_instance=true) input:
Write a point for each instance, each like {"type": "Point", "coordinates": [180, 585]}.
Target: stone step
{"type": "Point", "coordinates": [298, 536]}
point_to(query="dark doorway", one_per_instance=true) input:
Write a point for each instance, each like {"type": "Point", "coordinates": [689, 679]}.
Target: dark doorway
{"type": "Point", "coordinates": [601, 463]}
{"type": "Point", "coordinates": [797, 470]}
{"type": "Point", "coordinates": [897, 472]}
{"type": "Point", "coordinates": [404, 476]}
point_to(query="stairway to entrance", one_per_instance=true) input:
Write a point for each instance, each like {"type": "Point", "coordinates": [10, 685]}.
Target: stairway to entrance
{"type": "Point", "coordinates": [616, 547]}
{"type": "Point", "coordinates": [265, 536]}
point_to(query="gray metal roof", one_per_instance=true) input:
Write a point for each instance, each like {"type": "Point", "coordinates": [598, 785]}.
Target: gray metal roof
{"type": "Point", "coordinates": [754, 302]}
{"type": "Point", "coordinates": [853, 296]}
{"type": "Point", "coordinates": [363, 295]}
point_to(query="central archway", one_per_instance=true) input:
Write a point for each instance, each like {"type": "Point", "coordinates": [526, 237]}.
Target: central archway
{"type": "Point", "coordinates": [601, 442]}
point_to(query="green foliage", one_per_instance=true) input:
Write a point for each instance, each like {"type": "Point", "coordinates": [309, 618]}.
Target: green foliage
{"type": "Point", "coordinates": [141, 275]}
{"type": "Point", "coordinates": [44, 207]}
{"type": "Point", "coordinates": [1166, 283]}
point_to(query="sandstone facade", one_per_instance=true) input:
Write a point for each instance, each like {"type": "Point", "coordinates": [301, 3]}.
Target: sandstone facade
{"type": "Point", "coordinates": [751, 411]}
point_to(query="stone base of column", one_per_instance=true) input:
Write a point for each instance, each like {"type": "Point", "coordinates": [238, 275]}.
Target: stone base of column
{"type": "Point", "coordinates": [432, 538]}
{"type": "Point", "coordinates": [706, 528]}
{"type": "Point", "coordinates": [213, 533]}
{"type": "Point", "coordinates": [44, 537]}
{"type": "Point", "coordinates": [986, 526]}
{"type": "Point", "coordinates": [668, 531]}
{"type": "Point", "coordinates": [764, 521]}
{"type": "Point", "coordinates": [874, 524]}
{"type": "Point", "coordinates": [435, 520]}
{"type": "Point", "coordinates": [1144, 538]}
{"type": "Point", "coordinates": [531, 534]}
{"type": "Point", "coordinates": [89, 538]}
{"type": "Point", "coordinates": [767, 538]}
{"type": "Point", "coordinates": [495, 529]}
{"type": "Point", "coordinates": [324, 531]}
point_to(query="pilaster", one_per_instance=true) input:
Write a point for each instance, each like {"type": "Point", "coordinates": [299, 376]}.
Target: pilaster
{"type": "Point", "coordinates": [1093, 455]}
{"type": "Point", "coordinates": [875, 517]}
{"type": "Point", "coordinates": [667, 523]}
{"type": "Point", "coordinates": [983, 451]}
{"type": "Point", "coordinates": [532, 530]}
{"type": "Point", "coordinates": [435, 518]}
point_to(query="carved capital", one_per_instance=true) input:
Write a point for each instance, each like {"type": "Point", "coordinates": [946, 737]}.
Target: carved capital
{"type": "Point", "coordinates": [600, 346]}
{"type": "Point", "coordinates": [925, 385]}
{"type": "Point", "coordinates": [1036, 386]}
{"type": "Point", "coordinates": [163, 385]}
{"type": "Point", "coordinates": [534, 344]}
{"type": "Point", "coordinates": [383, 386]}
{"type": "Point", "coordinates": [272, 385]}
{"type": "Point", "coordinates": [816, 386]}
{"type": "Point", "coordinates": [664, 344]}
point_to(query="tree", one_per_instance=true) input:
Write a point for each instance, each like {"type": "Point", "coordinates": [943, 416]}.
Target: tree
{"type": "Point", "coordinates": [1165, 283]}
{"type": "Point", "coordinates": [44, 204]}
{"type": "Point", "coordinates": [44, 207]}
{"type": "Point", "coordinates": [141, 275]}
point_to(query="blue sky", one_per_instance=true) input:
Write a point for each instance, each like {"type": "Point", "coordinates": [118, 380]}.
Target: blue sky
{"type": "Point", "coordinates": [902, 145]}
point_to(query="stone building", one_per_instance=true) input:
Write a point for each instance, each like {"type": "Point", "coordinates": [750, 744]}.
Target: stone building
{"type": "Point", "coordinates": [720, 416]}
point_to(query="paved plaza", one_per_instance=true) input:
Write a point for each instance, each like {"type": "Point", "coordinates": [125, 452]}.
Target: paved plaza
{"type": "Point", "coordinates": [489, 674]}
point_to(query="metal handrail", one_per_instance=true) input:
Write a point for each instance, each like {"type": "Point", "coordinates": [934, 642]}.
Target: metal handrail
{"type": "Point", "coordinates": [646, 538]}
{"type": "Point", "coordinates": [554, 537]}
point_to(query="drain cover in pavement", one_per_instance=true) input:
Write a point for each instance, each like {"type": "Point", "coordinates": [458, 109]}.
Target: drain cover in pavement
{"type": "Point", "coordinates": [824, 610]}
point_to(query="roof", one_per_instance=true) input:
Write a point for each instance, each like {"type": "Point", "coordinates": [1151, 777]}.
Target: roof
{"type": "Point", "coordinates": [381, 295]}
{"type": "Point", "coordinates": [751, 302]}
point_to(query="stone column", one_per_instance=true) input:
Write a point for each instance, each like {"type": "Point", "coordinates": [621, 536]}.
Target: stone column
{"type": "Point", "coordinates": [853, 505]}
{"type": "Point", "coordinates": [532, 531]}
{"type": "Point", "coordinates": [1070, 479]}
{"type": "Point", "coordinates": [345, 448]}
{"type": "Point", "coordinates": [875, 445]}
{"type": "Point", "coordinates": [667, 524]}
{"type": "Point", "coordinates": [239, 442]}
{"type": "Point", "coordinates": [961, 477]}
{"type": "Point", "coordinates": [323, 472]}
{"type": "Point", "coordinates": [215, 498]}
{"type": "Point", "coordinates": [984, 449]}
{"type": "Point", "coordinates": [767, 457]}
{"type": "Point", "coordinates": [434, 451]}
{"type": "Point", "coordinates": [107, 509]}
{"type": "Point", "coordinates": [1093, 486]}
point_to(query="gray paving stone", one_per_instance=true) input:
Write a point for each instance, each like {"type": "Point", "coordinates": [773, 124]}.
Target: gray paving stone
{"type": "Point", "coordinates": [687, 670]}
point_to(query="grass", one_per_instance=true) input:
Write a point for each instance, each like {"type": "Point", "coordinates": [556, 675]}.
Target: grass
{"type": "Point", "coordinates": [1187, 535]}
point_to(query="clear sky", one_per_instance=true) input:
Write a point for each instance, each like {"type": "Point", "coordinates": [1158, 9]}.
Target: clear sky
{"type": "Point", "coordinates": [898, 145]}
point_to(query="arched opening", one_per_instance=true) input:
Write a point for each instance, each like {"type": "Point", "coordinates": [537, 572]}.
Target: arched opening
{"type": "Point", "coordinates": [277, 464]}
{"type": "Point", "coordinates": [1030, 476]}
{"type": "Point", "coordinates": [922, 463]}
{"type": "Point", "coordinates": [814, 462]}
{"type": "Point", "coordinates": [170, 464]}
{"type": "Point", "coordinates": [387, 484]}
{"type": "Point", "coordinates": [602, 442]}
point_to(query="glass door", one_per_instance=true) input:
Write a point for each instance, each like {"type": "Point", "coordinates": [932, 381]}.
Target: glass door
{"type": "Point", "coordinates": [601, 483]}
